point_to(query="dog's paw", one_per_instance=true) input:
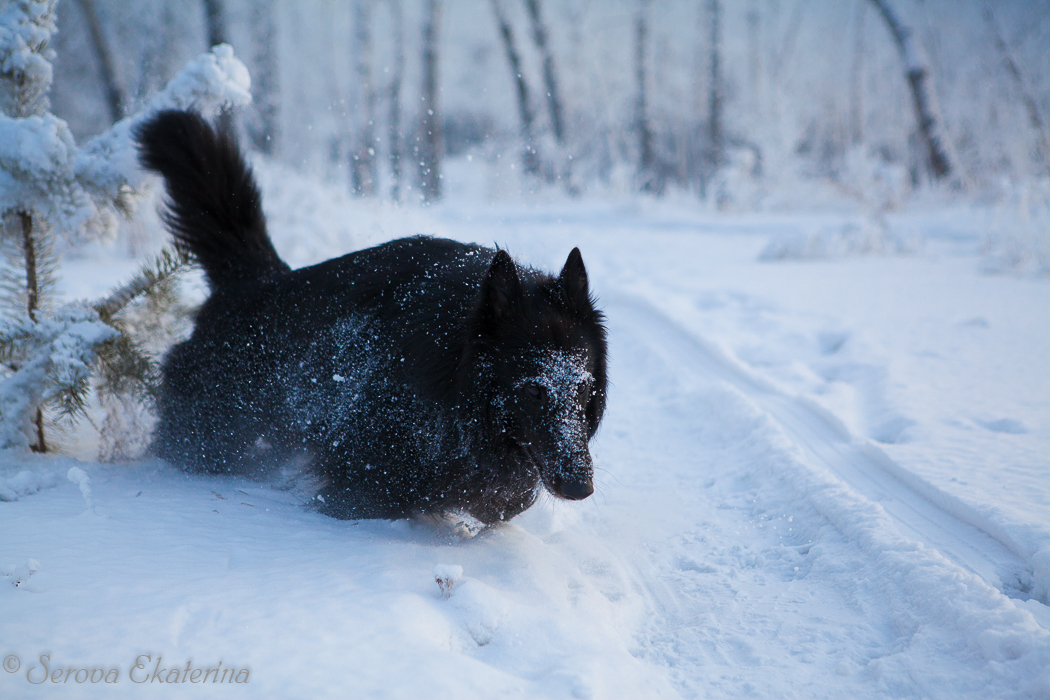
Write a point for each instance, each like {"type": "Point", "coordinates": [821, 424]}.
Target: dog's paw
{"type": "Point", "coordinates": [464, 525]}
{"type": "Point", "coordinates": [455, 523]}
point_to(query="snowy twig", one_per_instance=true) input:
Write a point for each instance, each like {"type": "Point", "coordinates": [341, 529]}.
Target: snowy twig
{"type": "Point", "coordinates": [446, 576]}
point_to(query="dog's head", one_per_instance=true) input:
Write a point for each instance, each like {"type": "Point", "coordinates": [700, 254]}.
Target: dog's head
{"type": "Point", "coordinates": [542, 343]}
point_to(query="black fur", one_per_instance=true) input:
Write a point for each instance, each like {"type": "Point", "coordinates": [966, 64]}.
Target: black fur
{"type": "Point", "coordinates": [215, 210]}
{"type": "Point", "coordinates": [419, 376]}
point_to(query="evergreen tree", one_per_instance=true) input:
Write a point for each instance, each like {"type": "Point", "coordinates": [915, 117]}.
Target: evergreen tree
{"type": "Point", "coordinates": [51, 187]}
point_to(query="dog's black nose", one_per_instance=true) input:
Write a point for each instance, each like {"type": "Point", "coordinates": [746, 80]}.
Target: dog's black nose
{"type": "Point", "coordinates": [576, 490]}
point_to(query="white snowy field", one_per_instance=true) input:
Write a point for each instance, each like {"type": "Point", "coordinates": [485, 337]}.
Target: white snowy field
{"type": "Point", "coordinates": [816, 479]}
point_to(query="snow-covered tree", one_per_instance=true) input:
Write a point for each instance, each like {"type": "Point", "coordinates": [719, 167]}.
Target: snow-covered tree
{"type": "Point", "coordinates": [50, 188]}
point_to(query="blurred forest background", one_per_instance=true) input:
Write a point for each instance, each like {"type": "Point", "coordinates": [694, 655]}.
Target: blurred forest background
{"type": "Point", "coordinates": [753, 104]}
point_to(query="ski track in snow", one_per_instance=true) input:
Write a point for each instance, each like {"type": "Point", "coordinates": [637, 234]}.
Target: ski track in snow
{"type": "Point", "coordinates": [921, 511]}
{"type": "Point", "coordinates": [744, 596]}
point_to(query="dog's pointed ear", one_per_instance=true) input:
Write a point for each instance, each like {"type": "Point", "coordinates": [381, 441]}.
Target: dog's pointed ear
{"type": "Point", "coordinates": [501, 288]}
{"type": "Point", "coordinates": [573, 279]}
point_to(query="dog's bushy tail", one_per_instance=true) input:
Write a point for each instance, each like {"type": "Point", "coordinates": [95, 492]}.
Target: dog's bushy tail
{"type": "Point", "coordinates": [214, 206]}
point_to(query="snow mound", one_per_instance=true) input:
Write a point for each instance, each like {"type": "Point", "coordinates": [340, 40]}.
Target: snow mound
{"type": "Point", "coordinates": [851, 239]}
{"type": "Point", "coordinates": [19, 576]}
{"type": "Point", "coordinates": [79, 477]}
{"type": "Point", "coordinates": [17, 478]}
{"type": "Point", "coordinates": [1018, 237]}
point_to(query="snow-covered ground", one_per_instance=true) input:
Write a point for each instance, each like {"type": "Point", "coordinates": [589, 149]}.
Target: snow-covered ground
{"type": "Point", "coordinates": [817, 478]}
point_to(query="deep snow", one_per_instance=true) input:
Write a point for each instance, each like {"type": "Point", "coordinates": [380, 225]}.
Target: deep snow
{"type": "Point", "coordinates": [820, 478]}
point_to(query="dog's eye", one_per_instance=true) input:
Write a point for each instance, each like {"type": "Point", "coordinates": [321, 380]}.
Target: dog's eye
{"type": "Point", "coordinates": [535, 392]}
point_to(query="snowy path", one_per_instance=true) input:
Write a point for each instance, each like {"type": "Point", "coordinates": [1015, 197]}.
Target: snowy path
{"type": "Point", "coordinates": [922, 512]}
{"type": "Point", "coordinates": [774, 564]}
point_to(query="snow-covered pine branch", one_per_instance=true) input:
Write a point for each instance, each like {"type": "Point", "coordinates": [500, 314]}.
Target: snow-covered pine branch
{"type": "Point", "coordinates": [26, 27]}
{"type": "Point", "coordinates": [163, 266]}
{"type": "Point", "coordinates": [77, 191]}
{"type": "Point", "coordinates": [52, 360]}
{"type": "Point", "coordinates": [125, 367]}
{"type": "Point", "coordinates": [108, 164]}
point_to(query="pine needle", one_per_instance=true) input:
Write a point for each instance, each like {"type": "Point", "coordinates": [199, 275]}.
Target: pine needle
{"type": "Point", "coordinates": [168, 263]}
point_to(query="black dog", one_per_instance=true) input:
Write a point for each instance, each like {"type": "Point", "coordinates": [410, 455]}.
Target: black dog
{"type": "Point", "coordinates": [422, 376]}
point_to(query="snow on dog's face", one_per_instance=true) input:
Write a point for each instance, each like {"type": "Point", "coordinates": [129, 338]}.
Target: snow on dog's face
{"type": "Point", "coordinates": [552, 422]}
{"type": "Point", "coordinates": [545, 344]}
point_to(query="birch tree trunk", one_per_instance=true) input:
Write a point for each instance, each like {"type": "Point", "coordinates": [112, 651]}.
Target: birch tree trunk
{"type": "Point", "coordinates": [530, 158]}
{"type": "Point", "coordinates": [431, 148]}
{"type": "Point", "coordinates": [550, 81]}
{"type": "Point", "coordinates": [754, 56]}
{"type": "Point", "coordinates": [1035, 117]}
{"type": "Point", "coordinates": [264, 129]}
{"type": "Point", "coordinates": [394, 117]}
{"type": "Point", "coordinates": [116, 100]}
{"type": "Point", "coordinates": [363, 162]}
{"type": "Point", "coordinates": [917, 73]}
{"type": "Point", "coordinates": [646, 157]}
{"type": "Point", "coordinates": [716, 98]}
{"type": "Point", "coordinates": [856, 101]}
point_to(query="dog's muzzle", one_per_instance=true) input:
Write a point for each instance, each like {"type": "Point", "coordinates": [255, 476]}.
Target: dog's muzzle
{"type": "Point", "coordinates": [574, 489]}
